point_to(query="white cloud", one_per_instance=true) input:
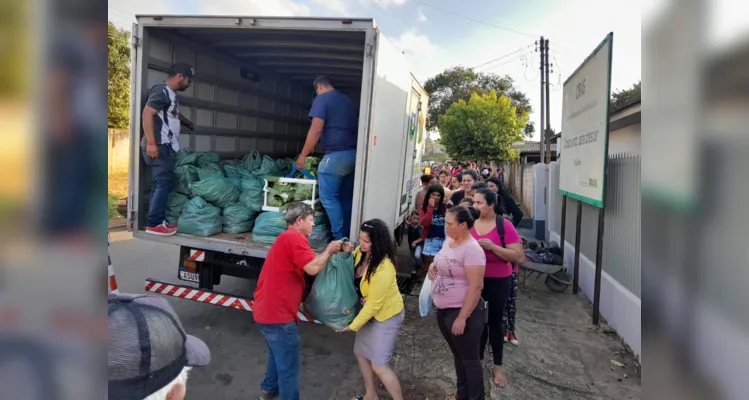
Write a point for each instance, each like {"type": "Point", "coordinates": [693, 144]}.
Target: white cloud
{"type": "Point", "coordinates": [122, 12]}
{"type": "Point", "coordinates": [385, 3]}
{"type": "Point", "coordinates": [422, 17]}
{"type": "Point", "coordinates": [426, 58]}
{"type": "Point", "coordinates": [337, 6]}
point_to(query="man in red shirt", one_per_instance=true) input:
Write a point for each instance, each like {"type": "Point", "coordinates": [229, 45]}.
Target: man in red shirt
{"type": "Point", "coordinates": [278, 295]}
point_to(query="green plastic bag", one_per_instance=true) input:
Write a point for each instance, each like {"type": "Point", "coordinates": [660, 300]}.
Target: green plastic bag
{"type": "Point", "coordinates": [200, 218]}
{"type": "Point", "coordinates": [208, 160]}
{"type": "Point", "coordinates": [238, 219]}
{"type": "Point", "coordinates": [175, 203]}
{"type": "Point", "coordinates": [186, 174]}
{"type": "Point", "coordinates": [251, 193]}
{"type": "Point", "coordinates": [267, 168]}
{"type": "Point", "coordinates": [320, 236]}
{"type": "Point", "coordinates": [186, 157]}
{"type": "Point", "coordinates": [234, 170]}
{"type": "Point", "coordinates": [219, 191]}
{"type": "Point", "coordinates": [268, 225]}
{"type": "Point", "coordinates": [252, 161]}
{"type": "Point", "coordinates": [204, 174]}
{"type": "Point", "coordinates": [333, 299]}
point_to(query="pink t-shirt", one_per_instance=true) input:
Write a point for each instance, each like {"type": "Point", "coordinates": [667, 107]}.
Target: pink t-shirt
{"type": "Point", "coordinates": [495, 266]}
{"type": "Point", "coordinates": [450, 288]}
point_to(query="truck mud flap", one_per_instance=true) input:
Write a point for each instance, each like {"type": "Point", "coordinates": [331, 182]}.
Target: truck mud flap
{"type": "Point", "coordinates": [210, 297]}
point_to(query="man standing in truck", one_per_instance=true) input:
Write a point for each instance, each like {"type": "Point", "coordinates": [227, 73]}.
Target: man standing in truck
{"type": "Point", "coordinates": [334, 122]}
{"type": "Point", "coordinates": [159, 145]}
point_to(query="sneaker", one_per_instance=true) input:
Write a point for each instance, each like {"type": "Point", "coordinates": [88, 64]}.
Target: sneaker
{"type": "Point", "coordinates": [170, 226]}
{"type": "Point", "coordinates": [512, 338]}
{"type": "Point", "coordinates": [161, 230]}
{"type": "Point", "coordinates": [267, 395]}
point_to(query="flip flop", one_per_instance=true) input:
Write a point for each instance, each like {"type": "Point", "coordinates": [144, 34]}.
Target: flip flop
{"type": "Point", "coordinates": [359, 397]}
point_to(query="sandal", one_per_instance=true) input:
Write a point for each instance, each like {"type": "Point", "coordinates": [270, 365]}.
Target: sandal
{"type": "Point", "coordinates": [359, 397]}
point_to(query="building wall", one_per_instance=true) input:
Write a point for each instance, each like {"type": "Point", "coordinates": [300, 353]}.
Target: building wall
{"type": "Point", "coordinates": [118, 149]}
{"type": "Point", "coordinates": [625, 140]}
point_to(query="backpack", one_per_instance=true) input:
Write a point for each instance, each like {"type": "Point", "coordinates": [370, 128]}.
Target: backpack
{"type": "Point", "coordinates": [501, 231]}
{"type": "Point", "coordinates": [500, 221]}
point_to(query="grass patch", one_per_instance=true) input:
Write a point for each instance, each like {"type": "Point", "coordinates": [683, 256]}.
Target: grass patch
{"type": "Point", "coordinates": [117, 189]}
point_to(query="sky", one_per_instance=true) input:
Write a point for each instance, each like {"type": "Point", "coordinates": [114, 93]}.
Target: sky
{"type": "Point", "coordinates": [496, 36]}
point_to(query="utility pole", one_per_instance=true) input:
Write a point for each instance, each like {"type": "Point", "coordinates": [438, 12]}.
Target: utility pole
{"type": "Point", "coordinates": [547, 130]}
{"type": "Point", "coordinates": [541, 135]}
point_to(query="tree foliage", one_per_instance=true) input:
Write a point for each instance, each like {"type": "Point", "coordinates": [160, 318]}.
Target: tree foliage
{"type": "Point", "coordinates": [118, 77]}
{"type": "Point", "coordinates": [483, 128]}
{"type": "Point", "coordinates": [460, 83]}
{"type": "Point", "coordinates": [623, 98]}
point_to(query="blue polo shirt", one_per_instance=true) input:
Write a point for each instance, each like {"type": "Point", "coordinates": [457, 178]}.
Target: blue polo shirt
{"type": "Point", "coordinates": [340, 115]}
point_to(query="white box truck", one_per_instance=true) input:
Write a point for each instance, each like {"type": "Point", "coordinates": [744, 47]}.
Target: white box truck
{"type": "Point", "coordinates": [252, 90]}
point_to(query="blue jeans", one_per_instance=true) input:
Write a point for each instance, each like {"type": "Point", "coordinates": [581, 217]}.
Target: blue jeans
{"type": "Point", "coordinates": [282, 372]}
{"type": "Point", "coordinates": [162, 182]}
{"type": "Point", "coordinates": [418, 263]}
{"type": "Point", "coordinates": [336, 179]}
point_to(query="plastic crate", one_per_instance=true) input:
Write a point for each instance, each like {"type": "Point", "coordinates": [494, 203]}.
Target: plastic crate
{"type": "Point", "coordinates": [311, 202]}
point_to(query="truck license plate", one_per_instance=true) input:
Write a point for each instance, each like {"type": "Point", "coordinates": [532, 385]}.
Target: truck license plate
{"type": "Point", "coordinates": [189, 276]}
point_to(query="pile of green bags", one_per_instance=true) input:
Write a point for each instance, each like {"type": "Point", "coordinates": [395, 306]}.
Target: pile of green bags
{"type": "Point", "coordinates": [213, 196]}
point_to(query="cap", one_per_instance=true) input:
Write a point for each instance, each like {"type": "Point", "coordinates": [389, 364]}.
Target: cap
{"type": "Point", "coordinates": [148, 347]}
{"type": "Point", "coordinates": [183, 68]}
{"type": "Point", "coordinates": [324, 79]}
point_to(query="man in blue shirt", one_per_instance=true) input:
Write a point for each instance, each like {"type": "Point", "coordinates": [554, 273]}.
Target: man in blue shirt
{"type": "Point", "coordinates": [334, 122]}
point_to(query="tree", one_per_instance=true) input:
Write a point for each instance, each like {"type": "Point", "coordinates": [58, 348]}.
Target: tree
{"type": "Point", "coordinates": [623, 98]}
{"type": "Point", "coordinates": [460, 83]}
{"type": "Point", "coordinates": [118, 77]}
{"type": "Point", "coordinates": [483, 128]}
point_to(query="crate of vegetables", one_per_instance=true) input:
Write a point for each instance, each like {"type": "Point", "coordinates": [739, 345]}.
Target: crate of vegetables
{"type": "Point", "coordinates": [283, 191]}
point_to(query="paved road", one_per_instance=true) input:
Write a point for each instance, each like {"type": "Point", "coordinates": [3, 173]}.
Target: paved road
{"type": "Point", "coordinates": [238, 349]}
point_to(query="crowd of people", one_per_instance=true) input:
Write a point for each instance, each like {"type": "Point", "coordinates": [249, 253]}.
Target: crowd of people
{"type": "Point", "coordinates": [457, 234]}
{"type": "Point", "coordinates": [472, 254]}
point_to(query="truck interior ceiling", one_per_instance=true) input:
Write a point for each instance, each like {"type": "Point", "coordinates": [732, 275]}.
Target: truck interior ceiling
{"type": "Point", "coordinates": [252, 88]}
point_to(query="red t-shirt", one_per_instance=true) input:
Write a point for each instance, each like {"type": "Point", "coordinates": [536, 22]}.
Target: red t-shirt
{"type": "Point", "coordinates": [281, 284]}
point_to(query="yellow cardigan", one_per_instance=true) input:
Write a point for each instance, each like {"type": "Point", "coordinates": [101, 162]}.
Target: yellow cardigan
{"type": "Point", "coordinates": [383, 299]}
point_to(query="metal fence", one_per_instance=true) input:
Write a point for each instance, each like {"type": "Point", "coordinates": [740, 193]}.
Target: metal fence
{"type": "Point", "coordinates": [622, 230]}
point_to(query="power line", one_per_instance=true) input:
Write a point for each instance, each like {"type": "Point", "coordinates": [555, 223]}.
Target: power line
{"type": "Point", "coordinates": [476, 20]}
{"type": "Point", "coordinates": [501, 57]}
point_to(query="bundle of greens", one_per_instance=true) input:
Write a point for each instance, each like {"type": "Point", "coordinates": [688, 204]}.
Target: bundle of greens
{"type": "Point", "coordinates": [282, 193]}
{"type": "Point", "coordinates": [310, 165]}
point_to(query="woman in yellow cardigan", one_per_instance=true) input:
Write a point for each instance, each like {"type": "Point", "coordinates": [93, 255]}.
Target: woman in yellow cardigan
{"type": "Point", "coordinates": [379, 321]}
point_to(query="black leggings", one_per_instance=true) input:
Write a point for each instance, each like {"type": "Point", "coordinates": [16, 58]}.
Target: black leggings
{"type": "Point", "coordinates": [465, 351]}
{"type": "Point", "coordinates": [496, 291]}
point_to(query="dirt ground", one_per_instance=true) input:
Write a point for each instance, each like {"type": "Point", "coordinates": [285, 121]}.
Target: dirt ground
{"type": "Point", "coordinates": [561, 354]}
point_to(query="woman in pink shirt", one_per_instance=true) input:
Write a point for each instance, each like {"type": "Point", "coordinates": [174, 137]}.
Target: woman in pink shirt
{"type": "Point", "coordinates": [458, 275]}
{"type": "Point", "coordinates": [500, 258]}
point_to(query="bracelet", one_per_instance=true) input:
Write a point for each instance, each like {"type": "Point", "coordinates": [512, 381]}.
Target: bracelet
{"type": "Point", "coordinates": [151, 142]}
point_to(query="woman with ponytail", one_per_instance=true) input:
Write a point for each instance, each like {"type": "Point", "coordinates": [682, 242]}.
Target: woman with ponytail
{"type": "Point", "coordinates": [458, 277]}
{"type": "Point", "coordinates": [503, 248]}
